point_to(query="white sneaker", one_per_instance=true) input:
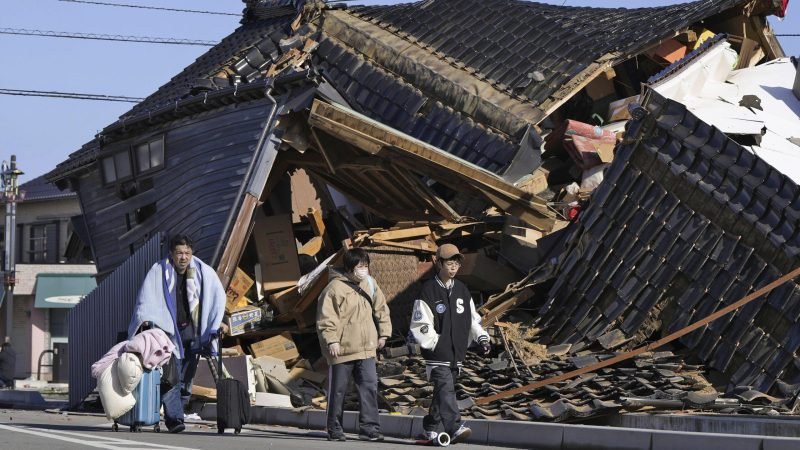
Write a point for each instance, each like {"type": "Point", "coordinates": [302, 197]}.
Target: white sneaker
{"type": "Point", "coordinates": [462, 434]}
{"type": "Point", "coordinates": [427, 436]}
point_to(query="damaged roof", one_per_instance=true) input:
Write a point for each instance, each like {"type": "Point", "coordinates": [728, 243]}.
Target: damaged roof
{"type": "Point", "coordinates": [686, 222]}
{"type": "Point", "coordinates": [530, 50]}
{"type": "Point", "coordinates": [468, 76]}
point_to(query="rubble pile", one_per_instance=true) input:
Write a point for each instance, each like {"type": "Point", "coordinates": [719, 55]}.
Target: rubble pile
{"type": "Point", "coordinates": [654, 382]}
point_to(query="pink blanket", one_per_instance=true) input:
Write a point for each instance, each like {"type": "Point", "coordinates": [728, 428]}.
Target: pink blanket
{"type": "Point", "coordinates": [154, 346]}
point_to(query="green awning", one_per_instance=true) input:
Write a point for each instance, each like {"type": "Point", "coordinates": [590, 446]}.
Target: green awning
{"type": "Point", "coordinates": [62, 290]}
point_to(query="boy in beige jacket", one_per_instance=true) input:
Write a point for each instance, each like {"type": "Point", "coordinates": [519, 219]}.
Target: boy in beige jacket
{"type": "Point", "coordinates": [352, 323]}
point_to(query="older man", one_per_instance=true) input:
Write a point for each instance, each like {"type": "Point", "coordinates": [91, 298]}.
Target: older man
{"type": "Point", "coordinates": [183, 296]}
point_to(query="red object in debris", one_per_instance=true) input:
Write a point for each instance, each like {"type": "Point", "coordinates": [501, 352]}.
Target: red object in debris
{"type": "Point", "coordinates": [670, 51]}
{"type": "Point", "coordinates": [782, 12]}
{"type": "Point", "coordinates": [583, 142]}
{"type": "Point", "coordinates": [573, 212]}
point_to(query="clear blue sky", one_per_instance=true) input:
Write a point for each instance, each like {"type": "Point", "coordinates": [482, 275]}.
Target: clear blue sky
{"type": "Point", "coordinates": [43, 131]}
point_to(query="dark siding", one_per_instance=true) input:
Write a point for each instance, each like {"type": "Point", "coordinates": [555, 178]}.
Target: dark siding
{"type": "Point", "coordinates": [206, 160]}
{"type": "Point", "coordinates": [98, 319]}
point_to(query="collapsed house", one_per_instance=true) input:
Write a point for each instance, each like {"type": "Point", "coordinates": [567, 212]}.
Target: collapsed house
{"type": "Point", "coordinates": [495, 125]}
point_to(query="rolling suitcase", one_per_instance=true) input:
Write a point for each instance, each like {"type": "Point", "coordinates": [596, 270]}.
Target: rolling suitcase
{"type": "Point", "coordinates": [146, 411]}
{"type": "Point", "coordinates": [233, 400]}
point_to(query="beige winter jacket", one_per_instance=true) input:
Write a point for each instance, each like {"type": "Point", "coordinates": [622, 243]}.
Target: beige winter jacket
{"type": "Point", "coordinates": [345, 317]}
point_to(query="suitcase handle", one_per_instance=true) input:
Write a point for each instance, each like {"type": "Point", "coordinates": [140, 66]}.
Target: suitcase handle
{"type": "Point", "coordinates": [217, 371]}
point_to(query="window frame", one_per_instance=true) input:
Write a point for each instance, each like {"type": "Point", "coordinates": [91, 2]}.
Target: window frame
{"type": "Point", "coordinates": [149, 143]}
{"type": "Point", "coordinates": [113, 156]}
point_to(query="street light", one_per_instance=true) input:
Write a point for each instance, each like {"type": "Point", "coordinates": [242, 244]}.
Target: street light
{"type": "Point", "coordinates": [11, 195]}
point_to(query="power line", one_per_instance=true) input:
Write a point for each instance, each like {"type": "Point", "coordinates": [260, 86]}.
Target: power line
{"type": "Point", "coordinates": [70, 95]}
{"type": "Point", "coordinates": [789, 35]}
{"type": "Point", "coordinates": [107, 37]}
{"type": "Point", "coordinates": [152, 7]}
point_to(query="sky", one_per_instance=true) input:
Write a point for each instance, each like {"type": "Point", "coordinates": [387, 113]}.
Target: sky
{"type": "Point", "coordinates": [43, 131]}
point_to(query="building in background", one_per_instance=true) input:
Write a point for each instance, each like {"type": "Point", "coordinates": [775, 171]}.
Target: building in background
{"type": "Point", "coordinates": [53, 272]}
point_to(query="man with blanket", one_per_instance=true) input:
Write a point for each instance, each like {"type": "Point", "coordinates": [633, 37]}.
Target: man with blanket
{"type": "Point", "coordinates": [184, 297]}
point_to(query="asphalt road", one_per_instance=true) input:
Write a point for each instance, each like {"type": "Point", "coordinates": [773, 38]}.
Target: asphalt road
{"type": "Point", "coordinates": [29, 430]}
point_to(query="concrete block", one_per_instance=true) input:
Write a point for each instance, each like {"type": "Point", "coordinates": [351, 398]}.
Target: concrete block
{"type": "Point", "coordinates": [22, 398]}
{"type": "Point", "coordinates": [287, 417]}
{"type": "Point", "coordinates": [416, 426]}
{"type": "Point", "coordinates": [665, 440]}
{"type": "Point", "coordinates": [480, 431]}
{"type": "Point", "coordinates": [396, 425]}
{"type": "Point", "coordinates": [317, 419]}
{"type": "Point", "coordinates": [258, 414]}
{"type": "Point", "coordinates": [780, 443]}
{"type": "Point", "coordinates": [542, 436]}
{"type": "Point", "coordinates": [584, 436]}
{"type": "Point", "coordinates": [350, 422]}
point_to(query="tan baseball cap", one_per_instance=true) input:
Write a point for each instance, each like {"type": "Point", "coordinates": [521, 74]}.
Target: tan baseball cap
{"type": "Point", "coordinates": [448, 251]}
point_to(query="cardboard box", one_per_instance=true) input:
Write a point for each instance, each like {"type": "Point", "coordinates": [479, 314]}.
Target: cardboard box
{"type": "Point", "coordinates": [281, 346]}
{"type": "Point", "coordinates": [244, 320]}
{"type": "Point", "coordinates": [277, 251]}
{"type": "Point", "coordinates": [602, 86]}
{"type": "Point", "coordinates": [240, 284]}
{"type": "Point", "coordinates": [273, 366]}
{"type": "Point", "coordinates": [618, 110]}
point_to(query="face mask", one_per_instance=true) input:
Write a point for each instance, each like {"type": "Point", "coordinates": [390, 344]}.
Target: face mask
{"type": "Point", "coordinates": [361, 273]}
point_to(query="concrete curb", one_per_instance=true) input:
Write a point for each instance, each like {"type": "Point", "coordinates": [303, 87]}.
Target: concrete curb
{"type": "Point", "coordinates": [542, 436]}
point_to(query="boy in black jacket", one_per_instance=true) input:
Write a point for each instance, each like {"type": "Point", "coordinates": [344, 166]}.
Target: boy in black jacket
{"type": "Point", "coordinates": [444, 323]}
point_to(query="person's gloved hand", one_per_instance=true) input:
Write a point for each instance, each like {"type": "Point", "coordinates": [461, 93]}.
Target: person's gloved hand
{"type": "Point", "coordinates": [486, 347]}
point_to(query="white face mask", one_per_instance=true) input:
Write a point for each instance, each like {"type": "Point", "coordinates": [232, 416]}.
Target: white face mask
{"type": "Point", "coordinates": [361, 273]}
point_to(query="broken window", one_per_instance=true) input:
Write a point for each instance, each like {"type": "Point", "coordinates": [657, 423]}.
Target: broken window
{"type": "Point", "coordinates": [149, 155]}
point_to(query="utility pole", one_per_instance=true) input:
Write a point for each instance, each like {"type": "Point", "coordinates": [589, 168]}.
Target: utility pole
{"type": "Point", "coordinates": [9, 176]}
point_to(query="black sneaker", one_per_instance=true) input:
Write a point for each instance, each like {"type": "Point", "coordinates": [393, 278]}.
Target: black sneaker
{"type": "Point", "coordinates": [177, 428]}
{"type": "Point", "coordinates": [337, 436]}
{"type": "Point", "coordinates": [373, 436]}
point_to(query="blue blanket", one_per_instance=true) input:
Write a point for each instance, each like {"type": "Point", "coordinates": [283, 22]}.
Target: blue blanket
{"type": "Point", "coordinates": [156, 303]}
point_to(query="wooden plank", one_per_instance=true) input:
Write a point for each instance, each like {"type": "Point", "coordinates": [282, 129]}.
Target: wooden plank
{"type": "Point", "coordinates": [407, 233]}
{"type": "Point", "coordinates": [422, 246]}
{"type": "Point", "coordinates": [346, 124]}
{"type": "Point", "coordinates": [130, 204]}
{"type": "Point", "coordinates": [323, 152]}
{"type": "Point", "coordinates": [236, 242]}
{"type": "Point", "coordinates": [312, 247]}
{"type": "Point", "coordinates": [427, 194]}
{"type": "Point", "coordinates": [357, 138]}
{"type": "Point", "coordinates": [497, 311]}
{"type": "Point", "coordinates": [578, 82]}
{"type": "Point", "coordinates": [523, 213]}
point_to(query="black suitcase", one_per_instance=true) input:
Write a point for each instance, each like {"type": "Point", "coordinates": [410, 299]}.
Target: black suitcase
{"type": "Point", "coordinates": [233, 400]}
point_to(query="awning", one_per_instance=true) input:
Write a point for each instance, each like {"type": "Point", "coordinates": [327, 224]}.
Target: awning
{"type": "Point", "coordinates": [62, 290]}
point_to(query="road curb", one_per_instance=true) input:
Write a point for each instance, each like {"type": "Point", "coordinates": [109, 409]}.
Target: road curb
{"type": "Point", "coordinates": [542, 436]}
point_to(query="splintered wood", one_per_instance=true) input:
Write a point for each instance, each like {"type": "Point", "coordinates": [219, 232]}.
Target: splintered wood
{"type": "Point", "coordinates": [520, 337]}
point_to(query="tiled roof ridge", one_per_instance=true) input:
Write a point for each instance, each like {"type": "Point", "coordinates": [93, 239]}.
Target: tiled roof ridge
{"type": "Point", "coordinates": [208, 73]}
